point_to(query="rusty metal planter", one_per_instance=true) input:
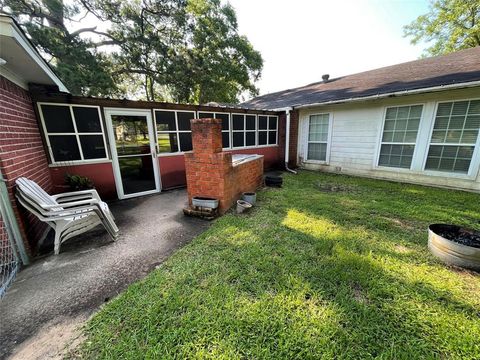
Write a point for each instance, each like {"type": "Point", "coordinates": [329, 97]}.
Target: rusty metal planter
{"type": "Point", "coordinates": [451, 252]}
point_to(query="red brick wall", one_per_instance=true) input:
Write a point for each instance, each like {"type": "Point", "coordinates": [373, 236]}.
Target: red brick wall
{"type": "Point", "coordinates": [22, 153]}
{"type": "Point", "coordinates": [209, 170]}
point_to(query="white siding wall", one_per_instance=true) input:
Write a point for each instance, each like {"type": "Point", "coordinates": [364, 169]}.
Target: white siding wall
{"type": "Point", "coordinates": [355, 134]}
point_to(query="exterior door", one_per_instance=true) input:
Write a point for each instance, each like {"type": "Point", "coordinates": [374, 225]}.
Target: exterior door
{"type": "Point", "coordinates": [132, 142]}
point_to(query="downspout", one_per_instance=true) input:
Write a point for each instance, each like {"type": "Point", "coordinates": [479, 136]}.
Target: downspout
{"type": "Point", "coordinates": [287, 140]}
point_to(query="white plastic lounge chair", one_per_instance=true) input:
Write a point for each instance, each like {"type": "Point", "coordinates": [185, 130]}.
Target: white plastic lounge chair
{"type": "Point", "coordinates": [69, 214]}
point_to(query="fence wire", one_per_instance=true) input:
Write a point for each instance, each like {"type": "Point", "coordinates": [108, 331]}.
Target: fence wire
{"type": "Point", "coordinates": [9, 261]}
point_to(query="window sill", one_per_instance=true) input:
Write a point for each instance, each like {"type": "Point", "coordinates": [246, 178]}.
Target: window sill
{"type": "Point", "coordinates": [79, 162]}
{"type": "Point", "coordinates": [316, 162]}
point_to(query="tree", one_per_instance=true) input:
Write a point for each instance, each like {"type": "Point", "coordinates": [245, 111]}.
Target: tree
{"type": "Point", "coordinates": [76, 61]}
{"type": "Point", "coordinates": [174, 50]}
{"type": "Point", "coordinates": [450, 24]}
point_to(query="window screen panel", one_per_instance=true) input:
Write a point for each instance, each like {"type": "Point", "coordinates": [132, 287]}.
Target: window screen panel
{"type": "Point", "coordinates": [64, 147]}
{"type": "Point", "coordinates": [225, 120]}
{"type": "Point", "coordinates": [262, 137]}
{"type": "Point", "coordinates": [449, 158]}
{"type": "Point", "coordinates": [250, 138]}
{"type": "Point", "coordinates": [251, 122]}
{"type": "Point", "coordinates": [272, 137]}
{"type": "Point", "coordinates": [87, 119]}
{"type": "Point", "coordinates": [184, 120]}
{"type": "Point", "coordinates": [238, 122]}
{"type": "Point", "coordinates": [93, 147]}
{"type": "Point", "coordinates": [57, 119]}
{"type": "Point", "coordinates": [165, 120]}
{"type": "Point", "coordinates": [272, 123]}
{"type": "Point", "coordinates": [185, 141]}
{"type": "Point", "coordinates": [238, 139]}
{"type": "Point", "coordinates": [205, 115]}
{"type": "Point", "coordinates": [167, 142]}
{"type": "Point", "coordinates": [262, 122]}
{"type": "Point", "coordinates": [225, 139]}
{"type": "Point", "coordinates": [317, 151]}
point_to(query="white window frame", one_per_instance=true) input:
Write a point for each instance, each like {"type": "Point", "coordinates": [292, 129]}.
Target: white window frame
{"type": "Point", "coordinates": [268, 130]}
{"type": "Point", "coordinates": [380, 142]}
{"type": "Point", "coordinates": [177, 131]}
{"type": "Point", "coordinates": [306, 141]}
{"type": "Point", "coordinates": [77, 135]}
{"type": "Point", "coordinates": [474, 163]}
{"type": "Point", "coordinates": [244, 131]}
{"type": "Point", "coordinates": [229, 131]}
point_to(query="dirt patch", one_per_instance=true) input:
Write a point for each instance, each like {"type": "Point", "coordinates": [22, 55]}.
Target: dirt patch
{"type": "Point", "coordinates": [402, 249]}
{"type": "Point", "coordinates": [335, 188]}
{"type": "Point", "coordinates": [53, 341]}
{"type": "Point", "coordinates": [358, 294]}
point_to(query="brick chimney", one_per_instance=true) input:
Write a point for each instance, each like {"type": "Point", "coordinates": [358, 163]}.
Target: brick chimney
{"type": "Point", "coordinates": [209, 170]}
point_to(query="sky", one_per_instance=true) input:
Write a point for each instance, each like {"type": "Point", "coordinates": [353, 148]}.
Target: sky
{"type": "Point", "coordinates": [300, 40]}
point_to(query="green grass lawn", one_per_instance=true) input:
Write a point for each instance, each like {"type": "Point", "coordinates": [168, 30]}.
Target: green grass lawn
{"type": "Point", "coordinates": [310, 273]}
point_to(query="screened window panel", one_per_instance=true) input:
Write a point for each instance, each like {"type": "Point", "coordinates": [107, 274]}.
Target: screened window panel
{"type": "Point", "coordinates": [392, 155]}
{"type": "Point", "coordinates": [185, 141]}
{"type": "Point", "coordinates": [263, 122]}
{"type": "Point", "coordinates": [272, 137]}
{"type": "Point", "coordinates": [251, 122]}
{"type": "Point", "coordinates": [57, 119]}
{"type": "Point", "coordinates": [64, 147]}
{"type": "Point", "coordinates": [87, 119]}
{"type": "Point", "coordinates": [167, 142]}
{"type": "Point", "coordinates": [238, 139]}
{"type": "Point", "coordinates": [238, 122]}
{"type": "Point", "coordinates": [250, 138]}
{"type": "Point", "coordinates": [93, 146]}
{"type": "Point", "coordinates": [206, 115]}
{"type": "Point", "coordinates": [455, 123]}
{"type": "Point", "coordinates": [165, 120]}
{"type": "Point", "coordinates": [225, 139]}
{"type": "Point", "coordinates": [225, 120]}
{"type": "Point", "coordinates": [184, 120]}
{"type": "Point", "coordinates": [317, 151]}
{"type": "Point", "coordinates": [272, 123]}
{"type": "Point", "coordinates": [262, 137]}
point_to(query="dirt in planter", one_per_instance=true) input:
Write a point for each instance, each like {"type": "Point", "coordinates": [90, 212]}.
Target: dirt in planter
{"type": "Point", "coordinates": [462, 236]}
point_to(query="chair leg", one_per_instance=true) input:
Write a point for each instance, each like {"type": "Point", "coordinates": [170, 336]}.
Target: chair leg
{"type": "Point", "coordinates": [58, 241]}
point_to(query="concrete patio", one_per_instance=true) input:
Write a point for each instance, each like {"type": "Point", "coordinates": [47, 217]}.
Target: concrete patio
{"type": "Point", "coordinates": [54, 295]}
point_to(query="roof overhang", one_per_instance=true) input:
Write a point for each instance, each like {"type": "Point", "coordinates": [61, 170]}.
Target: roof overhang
{"type": "Point", "coordinates": [393, 94]}
{"type": "Point", "coordinates": [24, 64]}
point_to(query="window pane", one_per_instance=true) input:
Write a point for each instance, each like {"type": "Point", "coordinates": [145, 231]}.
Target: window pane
{"type": "Point", "coordinates": [87, 119]}
{"type": "Point", "coordinates": [167, 142]}
{"type": "Point", "coordinates": [131, 134]}
{"type": "Point", "coordinates": [469, 136]}
{"type": "Point", "coordinates": [92, 146]}
{"type": "Point", "coordinates": [460, 108]}
{"type": "Point", "coordinates": [262, 122]}
{"type": "Point", "coordinates": [251, 122]}
{"type": "Point", "coordinates": [399, 156]}
{"type": "Point", "coordinates": [225, 120]}
{"type": "Point", "coordinates": [449, 158]}
{"type": "Point", "coordinates": [472, 122]}
{"type": "Point", "coordinates": [317, 152]}
{"type": "Point", "coordinates": [58, 119]}
{"type": "Point", "coordinates": [225, 139]}
{"type": "Point", "coordinates": [444, 109]}
{"type": "Point", "coordinates": [185, 141]}
{"type": "Point", "coordinates": [137, 174]}
{"type": "Point", "coordinates": [262, 137]}
{"type": "Point", "coordinates": [474, 107]}
{"type": "Point", "coordinates": [165, 120]}
{"type": "Point", "coordinates": [64, 147]}
{"type": "Point", "coordinates": [272, 137]}
{"type": "Point", "coordinates": [250, 138]}
{"type": "Point", "coordinates": [401, 126]}
{"type": "Point", "coordinates": [238, 122]}
{"type": "Point", "coordinates": [272, 122]}
{"type": "Point", "coordinates": [238, 140]}
{"type": "Point", "coordinates": [205, 115]}
{"type": "Point", "coordinates": [318, 128]}
{"type": "Point", "coordinates": [184, 120]}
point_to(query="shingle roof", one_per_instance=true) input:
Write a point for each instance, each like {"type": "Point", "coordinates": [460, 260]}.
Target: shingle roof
{"type": "Point", "coordinates": [458, 67]}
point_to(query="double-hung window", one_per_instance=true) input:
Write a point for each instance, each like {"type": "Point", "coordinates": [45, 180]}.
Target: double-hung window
{"type": "Point", "coordinates": [225, 117]}
{"type": "Point", "coordinates": [399, 136]}
{"type": "Point", "coordinates": [318, 126]}
{"type": "Point", "coordinates": [244, 130]}
{"type": "Point", "coordinates": [74, 133]}
{"type": "Point", "coordinates": [174, 133]}
{"type": "Point", "coordinates": [267, 130]}
{"type": "Point", "coordinates": [454, 136]}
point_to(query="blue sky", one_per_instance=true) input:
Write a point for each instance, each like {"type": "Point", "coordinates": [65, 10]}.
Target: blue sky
{"type": "Point", "coordinates": [302, 39]}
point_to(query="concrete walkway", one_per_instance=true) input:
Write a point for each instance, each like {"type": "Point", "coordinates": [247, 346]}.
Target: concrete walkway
{"type": "Point", "coordinates": [48, 301]}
